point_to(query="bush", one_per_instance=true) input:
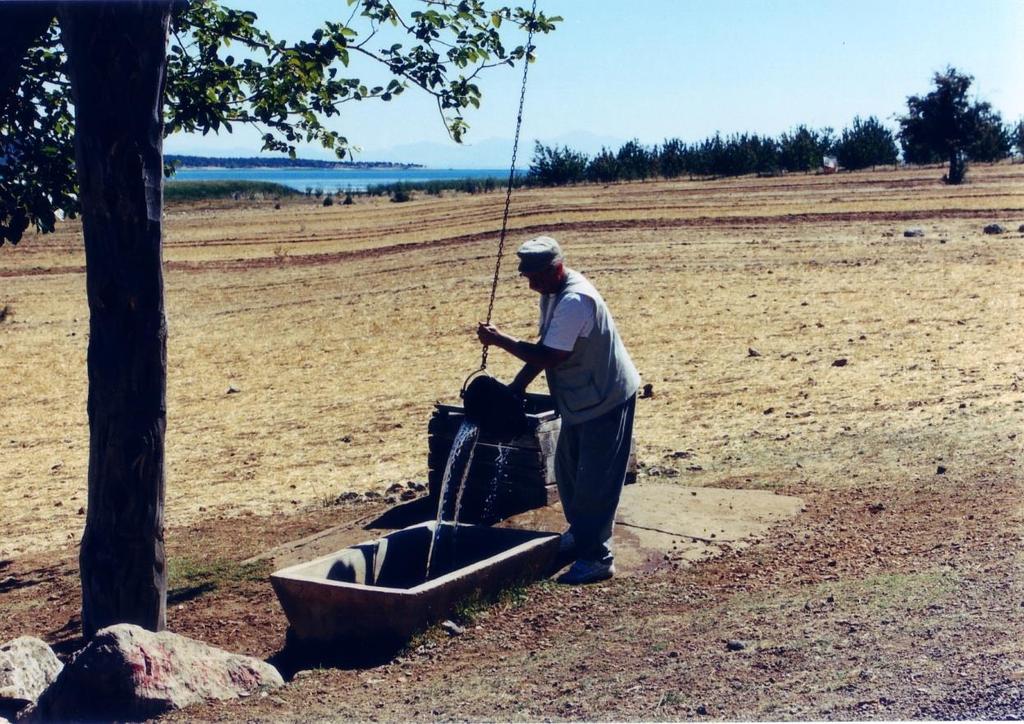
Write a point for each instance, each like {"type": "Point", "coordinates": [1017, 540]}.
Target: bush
{"type": "Point", "coordinates": [400, 196]}
{"type": "Point", "coordinates": [328, 201]}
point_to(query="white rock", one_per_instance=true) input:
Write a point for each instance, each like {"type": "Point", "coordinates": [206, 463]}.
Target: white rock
{"type": "Point", "coordinates": [27, 667]}
{"type": "Point", "coordinates": [453, 628]}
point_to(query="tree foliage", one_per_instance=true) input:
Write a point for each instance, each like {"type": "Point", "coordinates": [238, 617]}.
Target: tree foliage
{"type": "Point", "coordinates": [673, 160]}
{"type": "Point", "coordinates": [803, 148]}
{"type": "Point", "coordinates": [636, 162]}
{"type": "Point", "coordinates": [554, 166]}
{"type": "Point", "coordinates": [735, 155]}
{"type": "Point", "coordinates": [224, 70]}
{"type": "Point", "coordinates": [866, 143]}
{"type": "Point", "coordinates": [1017, 136]}
{"type": "Point", "coordinates": [945, 123]}
{"type": "Point", "coordinates": [37, 171]}
{"type": "Point", "coordinates": [993, 140]}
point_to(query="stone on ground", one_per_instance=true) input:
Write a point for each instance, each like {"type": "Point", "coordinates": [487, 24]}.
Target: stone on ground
{"type": "Point", "coordinates": [127, 672]}
{"type": "Point", "coordinates": [27, 667]}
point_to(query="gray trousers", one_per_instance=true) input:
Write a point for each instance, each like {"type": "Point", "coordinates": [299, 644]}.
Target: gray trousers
{"type": "Point", "coordinates": [590, 468]}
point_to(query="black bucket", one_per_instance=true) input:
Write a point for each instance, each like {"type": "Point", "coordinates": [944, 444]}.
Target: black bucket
{"type": "Point", "coordinates": [495, 408]}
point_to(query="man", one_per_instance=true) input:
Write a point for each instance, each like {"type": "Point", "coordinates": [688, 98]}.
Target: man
{"type": "Point", "coordinates": [593, 383]}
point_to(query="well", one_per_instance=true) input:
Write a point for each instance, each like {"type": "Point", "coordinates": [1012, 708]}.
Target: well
{"type": "Point", "coordinates": [524, 480]}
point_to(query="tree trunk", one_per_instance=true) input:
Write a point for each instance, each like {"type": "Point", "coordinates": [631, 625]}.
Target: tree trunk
{"type": "Point", "coordinates": [957, 167]}
{"type": "Point", "coordinates": [117, 56]}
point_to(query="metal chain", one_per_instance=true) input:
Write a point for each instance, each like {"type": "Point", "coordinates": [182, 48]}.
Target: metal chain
{"type": "Point", "coordinates": [511, 180]}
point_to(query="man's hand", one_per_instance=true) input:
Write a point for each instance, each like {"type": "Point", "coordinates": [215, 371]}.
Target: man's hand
{"type": "Point", "coordinates": [489, 334]}
{"type": "Point", "coordinates": [534, 355]}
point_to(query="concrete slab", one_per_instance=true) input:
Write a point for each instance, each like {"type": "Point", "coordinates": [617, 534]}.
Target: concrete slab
{"type": "Point", "coordinates": [710, 515]}
{"type": "Point", "coordinates": [661, 525]}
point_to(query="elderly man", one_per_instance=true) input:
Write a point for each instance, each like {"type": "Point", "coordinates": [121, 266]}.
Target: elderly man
{"type": "Point", "coordinates": [593, 383]}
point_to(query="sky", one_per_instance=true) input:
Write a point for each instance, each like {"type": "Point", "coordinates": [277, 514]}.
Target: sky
{"type": "Point", "coordinates": [657, 69]}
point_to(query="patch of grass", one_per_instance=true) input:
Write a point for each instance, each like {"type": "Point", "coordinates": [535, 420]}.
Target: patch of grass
{"type": "Point", "coordinates": [861, 601]}
{"type": "Point", "coordinates": [878, 593]}
{"type": "Point", "coordinates": [477, 606]}
{"type": "Point", "coordinates": [889, 590]}
{"type": "Point", "coordinates": [672, 699]}
{"type": "Point", "coordinates": [202, 190]}
{"type": "Point", "coordinates": [189, 578]}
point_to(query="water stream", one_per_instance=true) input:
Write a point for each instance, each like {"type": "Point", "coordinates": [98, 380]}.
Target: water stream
{"type": "Point", "coordinates": [499, 477]}
{"type": "Point", "coordinates": [459, 460]}
{"type": "Point", "coordinates": [490, 496]}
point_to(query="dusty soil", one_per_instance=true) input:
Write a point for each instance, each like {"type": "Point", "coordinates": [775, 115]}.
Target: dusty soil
{"type": "Point", "coordinates": [897, 594]}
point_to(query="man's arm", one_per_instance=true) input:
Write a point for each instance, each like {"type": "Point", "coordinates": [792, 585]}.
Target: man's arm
{"type": "Point", "coordinates": [526, 375]}
{"type": "Point", "coordinates": [533, 354]}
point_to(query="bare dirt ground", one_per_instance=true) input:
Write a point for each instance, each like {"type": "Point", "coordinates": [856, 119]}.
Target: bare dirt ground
{"type": "Point", "coordinates": [795, 341]}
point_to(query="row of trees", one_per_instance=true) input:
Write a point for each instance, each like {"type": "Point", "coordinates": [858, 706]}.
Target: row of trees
{"type": "Point", "coordinates": [942, 126]}
{"type": "Point", "coordinates": [738, 154]}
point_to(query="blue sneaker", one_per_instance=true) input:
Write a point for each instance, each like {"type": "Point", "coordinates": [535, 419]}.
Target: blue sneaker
{"type": "Point", "coordinates": [566, 543]}
{"type": "Point", "coordinates": [584, 571]}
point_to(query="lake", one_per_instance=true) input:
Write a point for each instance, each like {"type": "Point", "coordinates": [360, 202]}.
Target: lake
{"type": "Point", "coordinates": [331, 180]}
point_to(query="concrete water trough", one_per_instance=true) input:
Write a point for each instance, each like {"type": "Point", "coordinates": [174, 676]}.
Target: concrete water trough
{"type": "Point", "coordinates": [377, 592]}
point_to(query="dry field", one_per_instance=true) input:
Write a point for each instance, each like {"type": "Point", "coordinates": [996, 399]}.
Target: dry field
{"type": "Point", "coordinates": [338, 328]}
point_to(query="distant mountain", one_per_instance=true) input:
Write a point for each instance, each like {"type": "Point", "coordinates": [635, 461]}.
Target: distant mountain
{"type": "Point", "coordinates": [182, 161]}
